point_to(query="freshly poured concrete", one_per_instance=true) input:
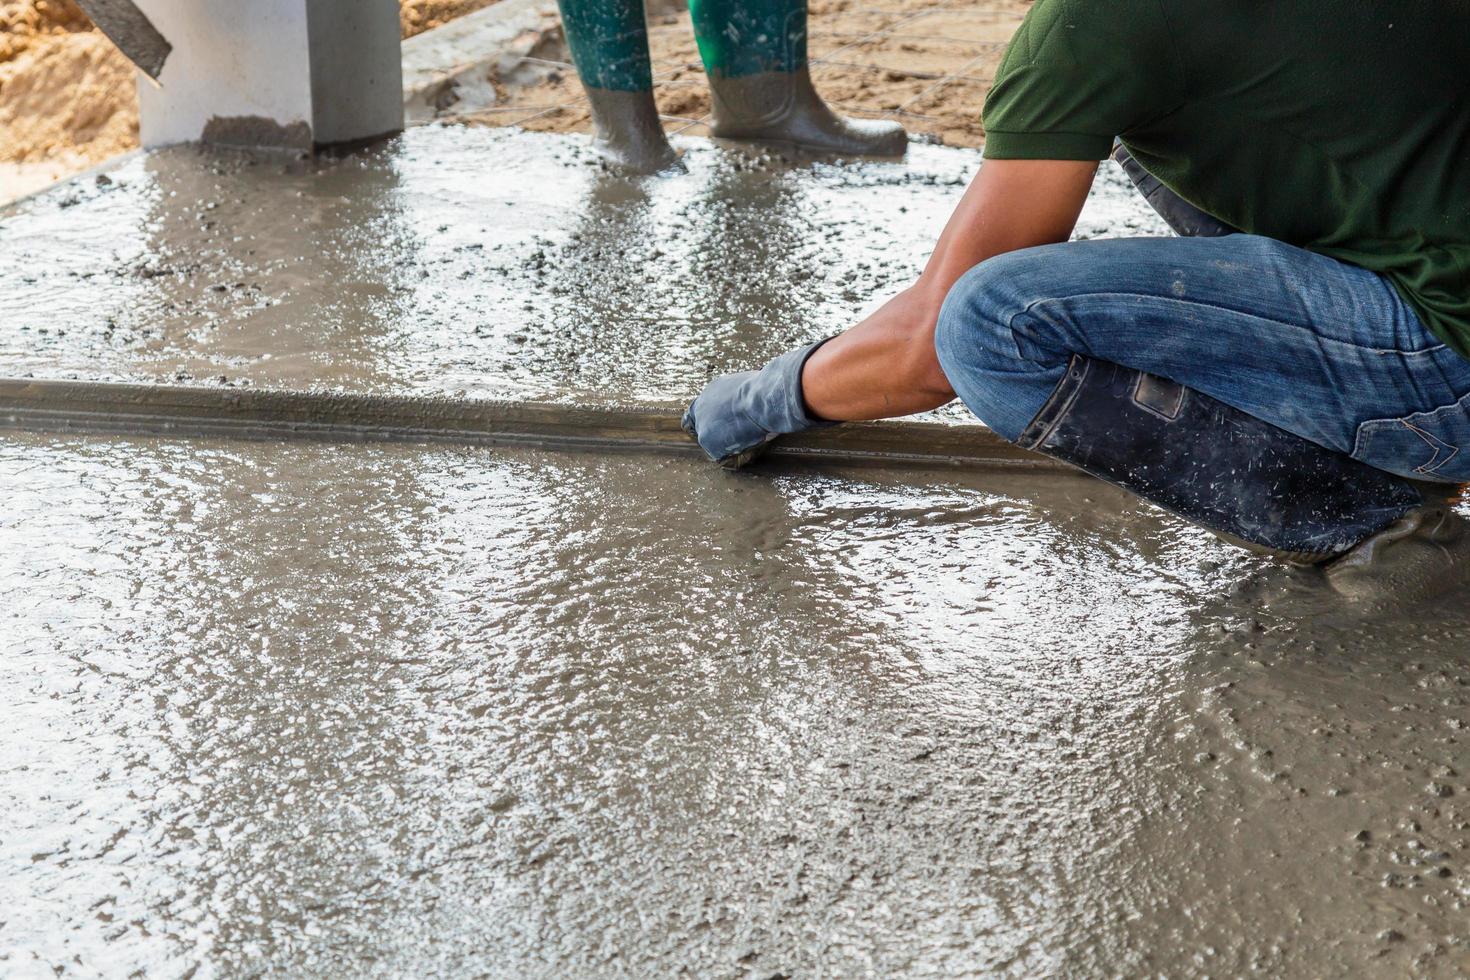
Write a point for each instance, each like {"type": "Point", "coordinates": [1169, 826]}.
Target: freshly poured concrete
{"type": "Point", "coordinates": [483, 262]}
{"type": "Point", "coordinates": [307, 710]}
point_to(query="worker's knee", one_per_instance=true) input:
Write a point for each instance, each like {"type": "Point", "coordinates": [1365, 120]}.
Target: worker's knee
{"type": "Point", "coordinates": [992, 338]}
{"type": "Point", "coordinates": [987, 318]}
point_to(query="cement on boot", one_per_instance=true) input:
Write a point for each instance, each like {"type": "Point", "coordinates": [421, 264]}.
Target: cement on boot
{"type": "Point", "coordinates": [627, 133]}
{"type": "Point", "coordinates": [1420, 556]}
{"type": "Point", "coordinates": [783, 107]}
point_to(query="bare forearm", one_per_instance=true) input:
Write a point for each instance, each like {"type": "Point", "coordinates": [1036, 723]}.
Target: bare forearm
{"type": "Point", "coordinates": [886, 365]}
{"type": "Point", "coordinates": [883, 367]}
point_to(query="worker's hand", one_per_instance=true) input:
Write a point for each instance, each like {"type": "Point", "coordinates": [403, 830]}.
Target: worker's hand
{"type": "Point", "coordinates": [737, 415]}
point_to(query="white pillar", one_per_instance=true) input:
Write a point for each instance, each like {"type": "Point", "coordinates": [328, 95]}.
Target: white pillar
{"type": "Point", "coordinates": [289, 73]}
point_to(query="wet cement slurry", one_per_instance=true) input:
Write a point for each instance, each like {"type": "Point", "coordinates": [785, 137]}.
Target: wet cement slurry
{"type": "Point", "coordinates": [309, 710]}
{"type": "Point", "coordinates": [398, 710]}
{"type": "Point", "coordinates": [461, 261]}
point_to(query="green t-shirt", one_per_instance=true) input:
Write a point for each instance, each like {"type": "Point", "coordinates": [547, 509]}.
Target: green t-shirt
{"type": "Point", "coordinates": [1341, 126]}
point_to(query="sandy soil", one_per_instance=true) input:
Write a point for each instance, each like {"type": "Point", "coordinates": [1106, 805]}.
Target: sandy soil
{"type": "Point", "coordinates": [417, 16]}
{"type": "Point", "coordinates": [926, 63]}
{"type": "Point", "coordinates": [66, 95]}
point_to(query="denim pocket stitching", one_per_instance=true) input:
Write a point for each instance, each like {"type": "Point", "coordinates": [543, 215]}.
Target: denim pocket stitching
{"type": "Point", "coordinates": [1369, 428]}
{"type": "Point", "coordinates": [1435, 443]}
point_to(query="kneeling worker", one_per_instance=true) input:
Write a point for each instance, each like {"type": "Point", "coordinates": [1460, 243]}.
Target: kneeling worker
{"type": "Point", "coordinates": [1294, 374]}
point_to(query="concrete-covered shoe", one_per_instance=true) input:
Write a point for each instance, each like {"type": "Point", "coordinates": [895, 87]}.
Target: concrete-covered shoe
{"type": "Point", "coordinates": [737, 415]}
{"type": "Point", "coordinates": [609, 45]}
{"type": "Point", "coordinates": [1421, 555]}
{"type": "Point", "coordinates": [627, 134]}
{"type": "Point", "coordinates": [755, 54]}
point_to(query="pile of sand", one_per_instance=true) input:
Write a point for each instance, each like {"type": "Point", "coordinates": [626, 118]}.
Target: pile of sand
{"type": "Point", "coordinates": [66, 94]}
{"type": "Point", "coordinates": [21, 22]}
{"type": "Point", "coordinates": [417, 16]}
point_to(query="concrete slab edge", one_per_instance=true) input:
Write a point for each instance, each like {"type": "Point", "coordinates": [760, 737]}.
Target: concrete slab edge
{"type": "Point", "coordinates": [461, 53]}
{"type": "Point", "coordinates": [8, 207]}
{"type": "Point", "coordinates": [28, 404]}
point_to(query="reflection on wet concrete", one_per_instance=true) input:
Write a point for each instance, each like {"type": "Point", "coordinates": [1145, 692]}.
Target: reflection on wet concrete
{"type": "Point", "coordinates": [250, 259]}
{"type": "Point", "coordinates": [305, 709]}
{"type": "Point", "coordinates": [487, 262]}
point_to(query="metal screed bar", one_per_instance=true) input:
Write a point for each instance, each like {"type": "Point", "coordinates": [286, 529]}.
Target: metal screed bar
{"type": "Point", "coordinates": [249, 413]}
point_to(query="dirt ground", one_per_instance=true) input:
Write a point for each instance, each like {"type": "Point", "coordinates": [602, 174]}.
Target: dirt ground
{"type": "Point", "coordinates": [926, 63]}
{"type": "Point", "coordinates": [417, 16]}
{"type": "Point", "coordinates": [67, 99]}
{"type": "Point", "coordinates": [66, 95]}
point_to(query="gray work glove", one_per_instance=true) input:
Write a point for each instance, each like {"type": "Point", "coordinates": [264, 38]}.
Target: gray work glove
{"type": "Point", "coordinates": [737, 415]}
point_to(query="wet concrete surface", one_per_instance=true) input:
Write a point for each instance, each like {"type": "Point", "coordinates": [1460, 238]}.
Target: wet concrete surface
{"type": "Point", "coordinates": [464, 261]}
{"type": "Point", "coordinates": [300, 709]}
{"type": "Point", "coordinates": [307, 710]}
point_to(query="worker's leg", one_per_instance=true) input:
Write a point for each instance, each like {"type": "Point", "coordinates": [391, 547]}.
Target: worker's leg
{"type": "Point", "coordinates": [754, 53]}
{"type": "Point", "coordinates": [1254, 387]}
{"type": "Point", "coordinates": [609, 43]}
{"type": "Point", "coordinates": [1323, 349]}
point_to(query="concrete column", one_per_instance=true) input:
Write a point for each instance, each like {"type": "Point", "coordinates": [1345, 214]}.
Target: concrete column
{"type": "Point", "coordinates": [286, 73]}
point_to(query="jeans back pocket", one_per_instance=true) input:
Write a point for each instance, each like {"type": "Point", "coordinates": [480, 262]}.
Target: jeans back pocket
{"type": "Point", "coordinates": [1422, 446]}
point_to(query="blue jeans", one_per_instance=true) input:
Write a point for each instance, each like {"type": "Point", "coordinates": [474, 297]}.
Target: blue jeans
{"type": "Point", "coordinates": [1323, 349]}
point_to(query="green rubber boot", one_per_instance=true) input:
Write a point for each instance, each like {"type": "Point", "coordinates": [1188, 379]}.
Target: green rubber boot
{"type": "Point", "coordinates": [754, 53]}
{"type": "Point", "coordinates": [609, 44]}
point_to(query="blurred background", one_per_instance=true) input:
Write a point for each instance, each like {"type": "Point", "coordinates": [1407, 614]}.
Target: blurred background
{"type": "Point", "coordinates": [68, 98]}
